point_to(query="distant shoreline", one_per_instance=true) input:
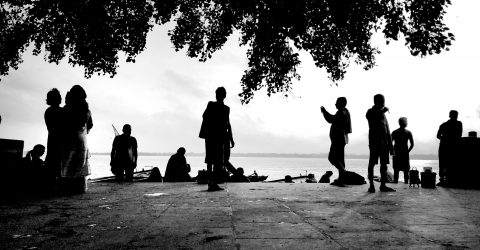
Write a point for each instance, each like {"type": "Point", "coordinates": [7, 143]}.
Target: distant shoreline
{"type": "Point", "coordinates": [278, 155]}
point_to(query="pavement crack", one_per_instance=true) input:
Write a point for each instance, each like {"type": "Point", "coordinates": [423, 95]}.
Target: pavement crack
{"type": "Point", "coordinates": [307, 222]}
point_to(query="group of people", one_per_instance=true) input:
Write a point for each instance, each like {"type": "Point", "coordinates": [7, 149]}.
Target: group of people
{"type": "Point", "coordinates": [217, 132]}
{"type": "Point", "coordinates": [67, 156]}
{"type": "Point", "coordinates": [66, 163]}
{"type": "Point", "coordinates": [382, 143]}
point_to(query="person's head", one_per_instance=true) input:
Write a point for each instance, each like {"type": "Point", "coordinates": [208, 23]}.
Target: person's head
{"type": "Point", "coordinates": [53, 97]}
{"type": "Point", "coordinates": [379, 100]}
{"type": "Point", "coordinates": [127, 129]}
{"type": "Point", "coordinates": [329, 173]}
{"type": "Point", "coordinates": [310, 176]}
{"type": "Point", "coordinates": [240, 171]}
{"type": "Point", "coordinates": [181, 151]}
{"type": "Point", "coordinates": [220, 94]}
{"type": "Point", "coordinates": [341, 103]}
{"type": "Point", "coordinates": [288, 178]}
{"type": "Point", "coordinates": [38, 150]}
{"type": "Point", "coordinates": [453, 115]}
{"type": "Point", "coordinates": [403, 122]}
{"type": "Point", "coordinates": [77, 94]}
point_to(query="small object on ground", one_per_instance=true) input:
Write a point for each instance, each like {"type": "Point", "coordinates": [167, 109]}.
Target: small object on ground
{"type": "Point", "coordinates": [428, 179]}
{"type": "Point", "coordinates": [155, 194]}
{"type": "Point", "coordinates": [414, 177]}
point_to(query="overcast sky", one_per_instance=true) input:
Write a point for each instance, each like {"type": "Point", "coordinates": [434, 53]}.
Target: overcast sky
{"type": "Point", "coordinates": [163, 95]}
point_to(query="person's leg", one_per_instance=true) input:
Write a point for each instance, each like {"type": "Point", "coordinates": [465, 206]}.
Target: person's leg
{"type": "Point", "coordinates": [395, 175]}
{"type": "Point", "coordinates": [441, 164]}
{"type": "Point", "coordinates": [213, 177]}
{"type": "Point", "coordinates": [118, 172]}
{"type": "Point", "coordinates": [384, 179]}
{"type": "Point", "coordinates": [129, 174]}
{"type": "Point", "coordinates": [384, 160]}
{"type": "Point", "coordinates": [371, 166]}
{"type": "Point", "coordinates": [209, 173]}
{"type": "Point", "coordinates": [405, 176]}
{"type": "Point", "coordinates": [449, 163]}
{"type": "Point", "coordinates": [383, 174]}
{"type": "Point", "coordinates": [334, 157]}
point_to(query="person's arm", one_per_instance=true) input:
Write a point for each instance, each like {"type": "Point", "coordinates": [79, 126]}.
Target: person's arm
{"type": "Point", "coordinates": [440, 132]}
{"type": "Point", "coordinates": [328, 117]}
{"type": "Point", "coordinates": [230, 133]}
{"type": "Point", "coordinates": [135, 153]}
{"type": "Point", "coordinates": [389, 138]}
{"type": "Point", "coordinates": [114, 148]}
{"type": "Point", "coordinates": [410, 138]}
{"type": "Point", "coordinates": [460, 130]}
{"type": "Point", "coordinates": [89, 122]}
{"type": "Point", "coordinates": [46, 116]}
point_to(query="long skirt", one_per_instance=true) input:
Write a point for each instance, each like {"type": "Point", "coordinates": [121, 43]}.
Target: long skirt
{"type": "Point", "coordinates": [74, 162]}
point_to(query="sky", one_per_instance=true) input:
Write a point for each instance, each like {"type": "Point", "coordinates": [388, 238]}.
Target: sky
{"type": "Point", "coordinates": [164, 93]}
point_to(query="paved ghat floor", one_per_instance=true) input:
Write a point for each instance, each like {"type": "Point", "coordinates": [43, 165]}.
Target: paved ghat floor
{"type": "Point", "coordinates": [244, 216]}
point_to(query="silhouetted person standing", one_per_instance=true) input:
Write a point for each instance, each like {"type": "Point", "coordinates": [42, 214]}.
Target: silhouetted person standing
{"type": "Point", "coordinates": [77, 121]}
{"type": "Point", "coordinates": [339, 130]}
{"type": "Point", "coordinates": [177, 168]}
{"type": "Point", "coordinates": [379, 142]}
{"type": "Point", "coordinates": [449, 135]}
{"type": "Point", "coordinates": [123, 158]}
{"type": "Point", "coordinates": [217, 132]}
{"type": "Point", "coordinates": [53, 120]}
{"type": "Point", "coordinates": [401, 160]}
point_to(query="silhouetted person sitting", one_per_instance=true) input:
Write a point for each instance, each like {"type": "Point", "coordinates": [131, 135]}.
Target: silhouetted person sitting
{"type": "Point", "coordinates": [32, 160]}
{"type": "Point", "coordinates": [123, 158]}
{"type": "Point", "coordinates": [53, 121]}
{"type": "Point", "coordinates": [155, 175]}
{"type": "Point", "coordinates": [311, 179]}
{"type": "Point", "coordinates": [239, 176]}
{"type": "Point", "coordinates": [401, 160]}
{"type": "Point", "coordinates": [217, 132]}
{"type": "Point", "coordinates": [34, 166]}
{"type": "Point", "coordinates": [326, 177]}
{"type": "Point", "coordinates": [380, 142]}
{"type": "Point", "coordinates": [449, 135]}
{"type": "Point", "coordinates": [177, 168]}
{"type": "Point", "coordinates": [339, 130]}
{"type": "Point", "coordinates": [288, 179]}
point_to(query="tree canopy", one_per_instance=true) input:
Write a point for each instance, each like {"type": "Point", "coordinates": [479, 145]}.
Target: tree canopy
{"type": "Point", "coordinates": [92, 33]}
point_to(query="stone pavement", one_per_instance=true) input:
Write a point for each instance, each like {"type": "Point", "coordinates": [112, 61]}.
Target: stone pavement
{"type": "Point", "coordinates": [244, 216]}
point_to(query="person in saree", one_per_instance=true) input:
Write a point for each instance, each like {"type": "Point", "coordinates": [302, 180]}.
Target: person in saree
{"type": "Point", "coordinates": [77, 122]}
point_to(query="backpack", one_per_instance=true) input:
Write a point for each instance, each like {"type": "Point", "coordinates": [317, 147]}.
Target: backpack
{"type": "Point", "coordinates": [202, 177]}
{"type": "Point", "coordinates": [414, 178]}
